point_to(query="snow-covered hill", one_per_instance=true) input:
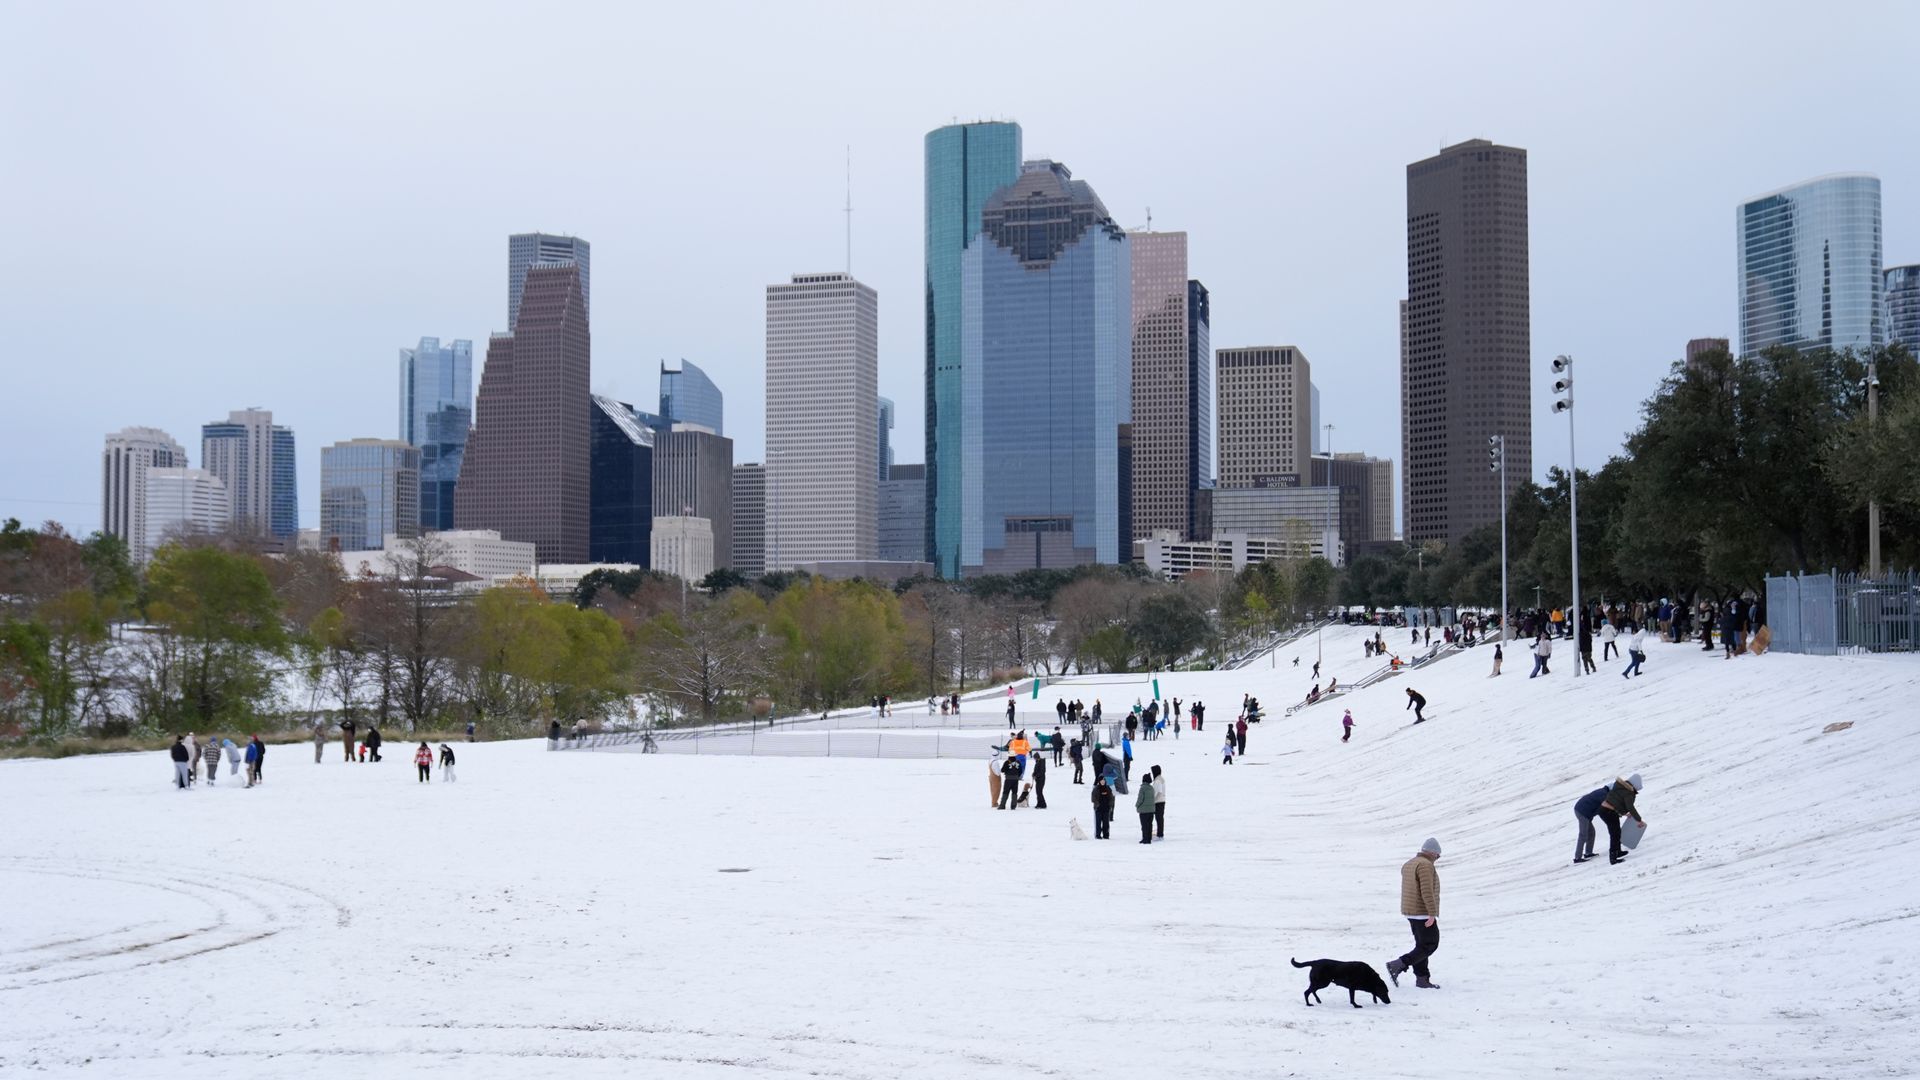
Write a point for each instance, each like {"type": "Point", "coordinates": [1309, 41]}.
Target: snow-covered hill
{"type": "Point", "coordinates": [589, 914]}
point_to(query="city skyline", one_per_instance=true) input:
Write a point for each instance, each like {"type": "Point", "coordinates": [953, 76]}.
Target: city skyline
{"type": "Point", "coordinates": [1330, 190]}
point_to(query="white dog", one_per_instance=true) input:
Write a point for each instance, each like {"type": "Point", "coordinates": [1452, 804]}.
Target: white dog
{"type": "Point", "coordinates": [1073, 826]}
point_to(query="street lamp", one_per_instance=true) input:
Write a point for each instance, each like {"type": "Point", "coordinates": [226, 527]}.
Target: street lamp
{"type": "Point", "coordinates": [1497, 463]}
{"type": "Point", "coordinates": [1873, 505]}
{"type": "Point", "coordinates": [1563, 391]}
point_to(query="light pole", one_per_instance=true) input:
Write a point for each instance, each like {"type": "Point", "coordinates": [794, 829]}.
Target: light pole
{"type": "Point", "coordinates": [1563, 387]}
{"type": "Point", "coordinates": [1873, 505]}
{"type": "Point", "coordinates": [1497, 463]}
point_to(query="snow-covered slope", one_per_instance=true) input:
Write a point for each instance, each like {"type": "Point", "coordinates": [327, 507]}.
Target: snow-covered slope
{"type": "Point", "coordinates": [580, 914]}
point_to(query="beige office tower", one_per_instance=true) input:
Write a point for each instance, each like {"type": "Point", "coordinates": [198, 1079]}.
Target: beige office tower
{"type": "Point", "coordinates": [1162, 488]}
{"type": "Point", "coordinates": [1466, 368]}
{"type": "Point", "coordinates": [130, 453]}
{"type": "Point", "coordinates": [823, 406]}
{"type": "Point", "coordinates": [1266, 434]}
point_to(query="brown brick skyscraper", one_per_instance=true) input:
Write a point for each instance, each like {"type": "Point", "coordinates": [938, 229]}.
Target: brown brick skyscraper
{"type": "Point", "coordinates": [528, 460]}
{"type": "Point", "coordinates": [1467, 337]}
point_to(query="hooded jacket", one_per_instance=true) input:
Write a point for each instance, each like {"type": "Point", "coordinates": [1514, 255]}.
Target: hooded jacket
{"type": "Point", "coordinates": [1143, 802]}
{"type": "Point", "coordinates": [1621, 799]}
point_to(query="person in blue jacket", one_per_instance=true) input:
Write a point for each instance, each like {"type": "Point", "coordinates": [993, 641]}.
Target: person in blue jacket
{"type": "Point", "coordinates": [1608, 804]}
{"type": "Point", "coordinates": [1126, 756]}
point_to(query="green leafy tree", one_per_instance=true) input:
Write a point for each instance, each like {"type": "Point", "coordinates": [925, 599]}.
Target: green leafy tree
{"type": "Point", "coordinates": [220, 608]}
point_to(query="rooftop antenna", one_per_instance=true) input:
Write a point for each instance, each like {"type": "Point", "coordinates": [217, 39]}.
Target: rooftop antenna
{"type": "Point", "coordinates": [849, 209]}
{"type": "Point", "coordinates": [1149, 219]}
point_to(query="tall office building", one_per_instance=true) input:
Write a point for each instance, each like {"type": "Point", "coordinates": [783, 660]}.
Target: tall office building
{"type": "Point", "coordinates": [436, 412]}
{"type": "Point", "coordinates": [1200, 390]}
{"type": "Point", "coordinates": [369, 490]}
{"type": "Point", "coordinates": [885, 458]}
{"type": "Point", "coordinates": [124, 464]}
{"type": "Point", "coordinates": [687, 396]}
{"type": "Point", "coordinates": [965, 164]}
{"type": "Point", "coordinates": [1316, 432]}
{"type": "Point", "coordinates": [527, 470]}
{"type": "Point", "coordinates": [750, 519]}
{"type": "Point", "coordinates": [183, 502]}
{"type": "Point", "coordinates": [683, 547]}
{"type": "Point", "coordinates": [1902, 290]}
{"type": "Point", "coordinates": [1165, 475]}
{"type": "Point", "coordinates": [1046, 378]}
{"type": "Point", "coordinates": [620, 513]}
{"type": "Point", "coordinates": [254, 458]}
{"type": "Point", "coordinates": [823, 375]}
{"type": "Point", "coordinates": [693, 477]}
{"type": "Point", "coordinates": [1366, 494]}
{"type": "Point", "coordinates": [1467, 350]}
{"type": "Point", "coordinates": [528, 250]}
{"type": "Point", "coordinates": [1266, 418]}
{"type": "Point", "coordinates": [1810, 273]}
{"type": "Point", "coordinates": [903, 513]}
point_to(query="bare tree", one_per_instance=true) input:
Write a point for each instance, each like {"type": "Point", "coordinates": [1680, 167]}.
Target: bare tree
{"type": "Point", "coordinates": [698, 660]}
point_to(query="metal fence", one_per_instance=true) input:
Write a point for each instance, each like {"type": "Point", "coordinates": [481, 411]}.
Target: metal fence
{"type": "Point", "coordinates": [1827, 614]}
{"type": "Point", "coordinates": [831, 743]}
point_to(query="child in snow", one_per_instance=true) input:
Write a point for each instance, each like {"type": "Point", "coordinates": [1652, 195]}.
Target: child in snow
{"type": "Point", "coordinates": [1102, 810]}
{"type": "Point", "coordinates": [1346, 726]}
{"type": "Point", "coordinates": [210, 753]}
{"type": "Point", "coordinates": [252, 751]}
{"type": "Point", "coordinates": [446, 763]}
{"type": "Point", "coordinates": [423, 760]}
{"type": "Point", "coordinates": [1226, 752]}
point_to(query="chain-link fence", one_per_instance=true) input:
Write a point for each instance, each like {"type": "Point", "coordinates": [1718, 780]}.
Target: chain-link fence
{"type": "Point", "coordinates": [1826, 614]}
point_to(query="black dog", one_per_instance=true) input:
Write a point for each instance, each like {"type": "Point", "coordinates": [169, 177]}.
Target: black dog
{"type": "Point", "coordinates": [1351, 974]}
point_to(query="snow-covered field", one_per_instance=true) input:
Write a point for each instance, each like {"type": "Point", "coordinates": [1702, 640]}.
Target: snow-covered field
{"type": "Point", "coordinates": [616, 914]}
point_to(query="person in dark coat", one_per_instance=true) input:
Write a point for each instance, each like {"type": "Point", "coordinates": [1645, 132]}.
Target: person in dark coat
{"type": "Point", "coordinates": [257, 759]}
{"type": "Point", "coordinates": [1009, 713]}
{"type": "Point", "coordinates": [1199, 716]}
{"type": "Point", "coordinates": [180, 761]}
{"type": "Point", "coordinates": [1586, 646]}
{"type": "Point", "coordinates": [1039, 781]}
{"type": "Point", "coordinates": [373, 742]}
{"type": "Point", "coordinates": [1078, 751]}
{"type": "Point", "coordinates": [1614, 802]}
{"type": "Point", "coordinates": [1416, 702]}
{"type": "Point", "coordinates": [1143, 805]}
{"type": "Point", "coordinates": [1059, 745]}
{"type": "Point", "coordinates": [1102, 809]}
{"type": "Point", "coordinates": [1240, 730]}
{"type": "Point", "coordinates": [346, 738]}
{"type": "Point", "coordinates": [1009, 782]}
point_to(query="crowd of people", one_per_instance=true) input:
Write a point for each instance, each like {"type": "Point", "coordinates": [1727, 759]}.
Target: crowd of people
{"type": "Point", "coordinates": [189, 753]}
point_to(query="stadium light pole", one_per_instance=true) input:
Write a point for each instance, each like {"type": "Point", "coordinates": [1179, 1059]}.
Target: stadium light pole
{"type": "Point", "coordinates": [1497, 463]}
{"type": "Point", "coordinates": [1563, 389]}
{"type": "Point", "coordinates": [1873, 505]}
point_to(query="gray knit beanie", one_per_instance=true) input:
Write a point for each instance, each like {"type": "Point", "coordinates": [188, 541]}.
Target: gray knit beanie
{"type": "Point", "coordinates": [1431, 847]}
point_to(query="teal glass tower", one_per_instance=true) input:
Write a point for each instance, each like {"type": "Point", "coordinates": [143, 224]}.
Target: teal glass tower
{"type": "Point", "coordinates": [966, 163]}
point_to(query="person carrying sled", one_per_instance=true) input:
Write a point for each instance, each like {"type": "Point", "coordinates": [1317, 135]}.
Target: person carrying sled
{"type": "Point", "coordinates": [1608, 804]}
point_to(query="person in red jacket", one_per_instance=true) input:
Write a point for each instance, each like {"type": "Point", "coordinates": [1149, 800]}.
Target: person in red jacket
{"type": "Point", "coordinates": [423, 758]}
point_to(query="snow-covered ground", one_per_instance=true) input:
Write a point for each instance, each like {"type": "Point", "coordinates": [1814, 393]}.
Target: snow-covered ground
{"type": "Point", "coordinates": [614, 914]}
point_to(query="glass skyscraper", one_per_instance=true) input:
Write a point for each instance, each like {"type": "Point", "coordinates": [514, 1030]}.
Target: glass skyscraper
{"type": "Point", "coordinates": [253, 457]}
{"type": "Point", "coordinates": [885, 460]}
{"type": "Point", "coordinates": [436, 412]}
{"type": "Point", "coordinates": [620, 524]}
{"type": "Point", "coordinates": [1199, 395]}
{"type": "Point", "coordinates": [1810, 266]}
{"type": "Point", "coordinates": [965, 164]}
{"type": "Point", "coordinates": [687, 396]}
{"type": "Point", "coordinates": [1046, 377]}
{"type": "Point", "coordinates": [1903, 306]}
{"type": "Point", "coordinates": [369, 489]}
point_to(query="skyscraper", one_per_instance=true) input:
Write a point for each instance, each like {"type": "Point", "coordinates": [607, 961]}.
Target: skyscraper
{"type": "Point", "coordinates": [687, 396]}
{"type": "Point", "coordinates": [1902, 288]}
{"type": "Point", "coordinates": [1467, 338]}
{"type": "Point", "coordinates": [1366, 494]}
{"type": "Point", "coordinates": [436, 412]}
{"type": "Point", "coordinates": [183, 502]}
{"type": "Point", "coordinates": [1164, 472]}
{"type": "Point", "coordinates": [823, 375]}
{"type": "Point", "coordinates": [254, 458]}
{"type": "Point", "coordinates": [886, 444]}
{"type": "Point", "coordinates": [527, 250]}
{"type": "Point", "coordinates": [369, 490]}
{"type": "Point", "coordinates": [965, 164]}
{"type": "Point", "coordinates": [620, 516]}
{"type": "Point", "coordinates": [527, 470]}
{"type": "Point", "coordinates": [903, 513]}
{"type": "Point", "coordinates": [1266, 437]}
{"type": "Point", "coordinates": [129, 455]}
{"type": "Point", "coordinates": [693, 477]}
{"type": "Point", "coordinates": [1046, 374]}
{"type": "Point", "coordinates": [750, 520]}
{"type": "Point", "coordinates": [1200, 401]}
{"type": "Point", "coordinates": [1810, 272]}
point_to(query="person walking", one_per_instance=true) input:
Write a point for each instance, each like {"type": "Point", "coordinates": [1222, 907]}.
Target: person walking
{"type": "Point", "coordinates": [1143, 805]}
{"type": "Point", "coordinates": [1417, 703]}
{"type": "Point", "coordinates": [346, 737]}
{"type": "Point", "coordinates": [1199, 716]}
{"type": "Point", "coordinates": [373, 741]}
{"type": "Point", "coordinates": [423, 760]}
{"type": "Point", "coordinates": [1039, 781]}
{"type": "Point", "coordinates": [253, 753]}
{"type": "Point", "coordinates": [446, 763]}
{"type": "Point", "coordinates": [1159, 805]}
{"type": "Point", "coordinates": [1618, 800]}
{"type": "Point", "coordinates": [1060, 709]}
{"type": "Point", "coordinates": [1240, 729]}
{"type": "Point", "coordinates": [1226, 751]}
{"type": "Point", "coordinates": [1585, 645]}
{"type": "Point", "coordinates": [1009, 782]}
{"type": "Point", "coordinates": [1420, 903]}
{"type": "Point", "coordinates": [1609, 647]}
{"type": "Point", "coordinates": [1102, 809]}
{"type": "Point", "coordinates": [1078, 752]}
{"type": "Point", "coordinates": [1009, 708]}
{"type": "Point", "coordinates": [178, 752]}
{"type": "Point", "coordinates": [319, 739]}
{"type": "Point", "coordinates": [1059, 747]}
{"type": "Point", "coordinates": [1126, 755]}
{"type": "Point", "coordinates": [1346, 727]}
{"type": "Point", "coordinates": [1634, 655]}
{"type": "Point", "coordinates": [1542, 651]}
{"type": "Point", "coordinates": [469, 731]}
{"type": "Point", "coordinates": [210, 757]}
{"type": "Point", "coordinates": [193, 759]}
{"type": "Point", "coordinates": [233, 757]}
{"type": "Point", "coordinates": [1498, 656]}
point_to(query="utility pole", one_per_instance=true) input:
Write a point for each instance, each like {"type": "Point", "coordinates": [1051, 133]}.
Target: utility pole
{"type": "Point", "coordinates": [1563, 386]}
{"type": "Point", "coordinates": [1497, 462]}
{"type": "Point", "coordinates": [1873, 505]}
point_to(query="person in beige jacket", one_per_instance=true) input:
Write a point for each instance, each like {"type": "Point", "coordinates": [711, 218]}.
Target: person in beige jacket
{"type": "Point", "coordinates": [1420, 903]}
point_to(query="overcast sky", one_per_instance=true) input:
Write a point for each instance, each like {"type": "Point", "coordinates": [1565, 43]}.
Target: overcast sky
{"type": "Point", "coordinates": [214, 206]}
